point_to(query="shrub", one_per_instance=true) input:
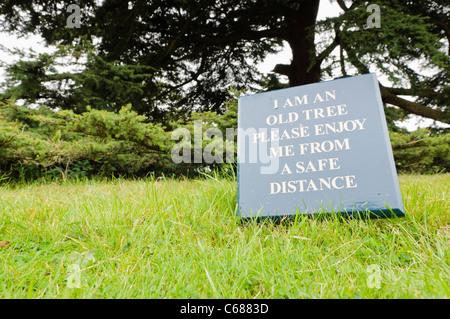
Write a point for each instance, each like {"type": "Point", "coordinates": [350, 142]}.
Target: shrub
{"type": "Point", "coordinates": [40, 143]}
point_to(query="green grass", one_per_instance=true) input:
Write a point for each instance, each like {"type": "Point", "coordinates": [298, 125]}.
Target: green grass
{"type": "Point", "coordinates": [181, 239]}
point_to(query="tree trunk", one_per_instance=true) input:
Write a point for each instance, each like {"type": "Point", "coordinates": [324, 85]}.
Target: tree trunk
{"type": "Point", "coordinates": [301, 25]}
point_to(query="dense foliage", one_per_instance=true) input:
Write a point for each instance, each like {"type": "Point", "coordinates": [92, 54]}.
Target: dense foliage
{"type": "Point", "coordinates": [36, 142]}
{"type": "Point", "coordinates": [40, 143]}
{"type": "Point", "coordinates": [171, 63]}
{"type": "Point", "coordinates": [171, 57]}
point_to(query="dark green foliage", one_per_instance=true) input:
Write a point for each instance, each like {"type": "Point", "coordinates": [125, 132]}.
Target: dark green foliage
{"type": "Point", "coordinates": [414, 36]}
{"type": "Point", "coordinates": [181, 41]}
{"type": "Point", "coordinates": [94, 81]}
{"type": "Point", "coordinates": [421, 152]}
{"type": "Point", "coordinates": [44, 144]}
{"type": "Point", "coordinates": [91, 143]}
{"type": "Point", "coordinates": [174, 62]}
{"type": "Point", "coordinates": [168, 58]}
{"type": "Point", "coordinates": [40, 143]}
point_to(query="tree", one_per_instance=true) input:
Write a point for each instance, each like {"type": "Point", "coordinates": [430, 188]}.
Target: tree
{"type": "Point", "coordinates": [101, 84]}
{"type": "Point", "coordinates": [412, 34]}
{"type": "Point", "coordinates": [200, 48]}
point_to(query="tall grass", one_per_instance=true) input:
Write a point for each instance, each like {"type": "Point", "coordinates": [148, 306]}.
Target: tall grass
{"type": "Point", "coordinates": [166, 238]}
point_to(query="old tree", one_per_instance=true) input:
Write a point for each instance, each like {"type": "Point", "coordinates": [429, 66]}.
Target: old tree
{"type": "Point", "coordinates": [187, 54]}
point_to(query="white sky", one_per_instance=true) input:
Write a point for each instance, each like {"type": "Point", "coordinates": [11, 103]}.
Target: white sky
{"type": "Point", "coordinates": [327, 8]}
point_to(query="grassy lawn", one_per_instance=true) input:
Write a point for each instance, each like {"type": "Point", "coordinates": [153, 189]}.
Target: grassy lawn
{"type": "Point", "coordinates": [181, 239]}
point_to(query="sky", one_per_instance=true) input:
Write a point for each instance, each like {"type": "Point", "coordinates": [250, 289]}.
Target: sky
{"type": "Point", "coordinates": [328, 8]}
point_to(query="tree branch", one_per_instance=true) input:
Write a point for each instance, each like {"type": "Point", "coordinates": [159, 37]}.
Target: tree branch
{"type": "Point", "coordinates": [326, 52]}
{"type": "Point", "coordinates": [391, 98]}
{"type": "Point", "coordinates": [193, 77]}
{"type": "Point", "coordinates": [342, 4]}
{"type": "Point", "coordinates": [283, 69]}
{"type": "Point", "coordinates": [445, 28]}
{"type": "Point", "coordinates": [412, 144]}
{"type": "Point", "coordinates": [362, 68]}
{"type": "Point", "coordinates": [173, 43]}
{"type": "Point", "coordinates": [246, 35]}
{"type": "Point", "coordinates": [413, 107]}
{"type": "Point", "coordinates": [422, 93]}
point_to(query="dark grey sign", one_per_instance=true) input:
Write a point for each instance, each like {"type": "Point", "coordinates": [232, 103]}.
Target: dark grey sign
{"type": "Point", "coordinates": [318, 148]}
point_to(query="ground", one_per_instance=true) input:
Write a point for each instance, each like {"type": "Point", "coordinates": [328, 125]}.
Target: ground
{"type": "Point", "coordinates": [164, 238]}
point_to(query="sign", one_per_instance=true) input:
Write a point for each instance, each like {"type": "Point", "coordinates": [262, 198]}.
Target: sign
{"type": "Point", "coordinates": [317, 148]}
